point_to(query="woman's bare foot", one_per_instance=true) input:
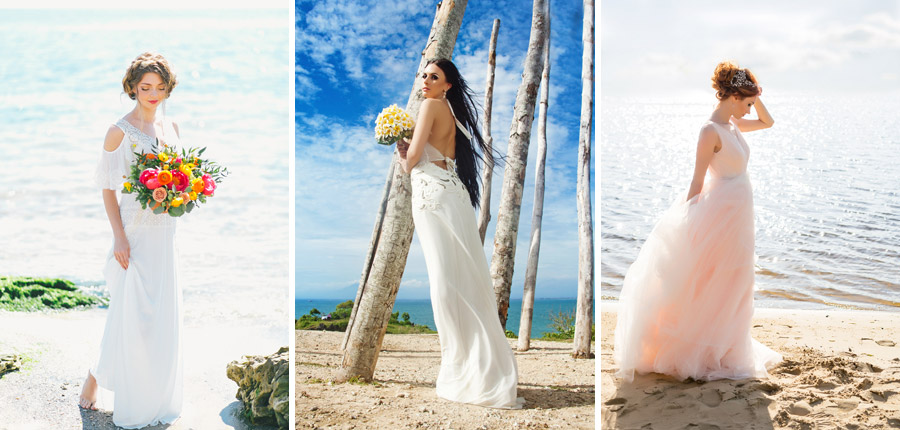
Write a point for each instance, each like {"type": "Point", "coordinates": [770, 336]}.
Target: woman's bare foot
{"type": "Point", "coordinates": [88, 393]}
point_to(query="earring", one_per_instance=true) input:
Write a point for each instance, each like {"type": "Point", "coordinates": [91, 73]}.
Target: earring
{"type": "Point", "coordinates": [445, 94]}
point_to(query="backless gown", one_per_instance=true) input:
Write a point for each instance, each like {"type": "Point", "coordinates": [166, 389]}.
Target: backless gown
{"type": "Point", "coordinates": [477, 363]}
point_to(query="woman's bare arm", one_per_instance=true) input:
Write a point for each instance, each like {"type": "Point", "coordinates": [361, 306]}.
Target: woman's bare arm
{"type": "Point", "coordinates": [121, 249]}
{"type": "Point", "coordinates": [764, 120]}
{"type": "Point", "coordinates": [706, 147]}
{"type": "Point", "coordinates": [427, 113]}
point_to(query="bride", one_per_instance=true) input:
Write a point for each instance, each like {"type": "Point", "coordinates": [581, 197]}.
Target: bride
{"type": "Point", "coordinates": [140, 355]}
{"type": "Point", "coordinates": [687, 301]}
{"type": "Point", "coordinates": [477, 363]}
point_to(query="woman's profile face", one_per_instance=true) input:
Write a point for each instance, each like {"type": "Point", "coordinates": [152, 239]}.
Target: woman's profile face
{"type": "Point", "coordinates": [151, 90]}
{"type": "Point", "coordinates": [434, 82]}
{"type": "Point", "coordinates": [743, 106]}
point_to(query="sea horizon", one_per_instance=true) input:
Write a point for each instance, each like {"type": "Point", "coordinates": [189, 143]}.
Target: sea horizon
{"type": "Point", "coordinates": [420, 311]}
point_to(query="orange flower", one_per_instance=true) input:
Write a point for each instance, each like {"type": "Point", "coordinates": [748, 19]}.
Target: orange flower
{"type": "Point", "coordinates": [150, 156]}
{"type": "Point", "coordinates": [164, 177]}
{"type": "Point", "coordinates": [197, 185]}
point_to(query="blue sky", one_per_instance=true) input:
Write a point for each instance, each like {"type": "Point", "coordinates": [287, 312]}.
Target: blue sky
{"type": "Point", "coordinates": [353, 59]}
{"type": "Point", "coordinates": [650, 48]}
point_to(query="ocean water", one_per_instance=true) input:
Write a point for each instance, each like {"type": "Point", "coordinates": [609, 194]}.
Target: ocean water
{"type": "Point", "coordinates": [826, 194]}
{"type": "Point", "coordinates": [420, 311]}
{"type": "Point", "coordinates": [62, 90]}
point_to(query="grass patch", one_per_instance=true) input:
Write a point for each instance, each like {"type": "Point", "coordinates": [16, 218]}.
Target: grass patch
{"type": "Point", "coordinates": [315, 381]}
{"type": "Point", "coordinates": [563, 325]}
{"type": "Point", "coordinates": [338, 320]}
{"type": "Point", "coordinates": [357, 381]}
{"type": "Point", "coordinates": [27, 294]}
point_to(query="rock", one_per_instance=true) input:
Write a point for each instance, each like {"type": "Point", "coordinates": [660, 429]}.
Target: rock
{"type": "Point", "coordinates": [9, 363]}
{"type": "Point", "coordinates": [263, 387]}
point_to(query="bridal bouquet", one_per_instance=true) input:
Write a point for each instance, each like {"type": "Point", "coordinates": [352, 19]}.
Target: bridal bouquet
{"type": "Point", "coordinates": [173, 183]}
{"type": "Point", "coordinates": [392, 125]}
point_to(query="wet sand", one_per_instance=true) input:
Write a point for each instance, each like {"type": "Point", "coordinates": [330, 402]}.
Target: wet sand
{"type": "Point", "coordinates": [58, 348]}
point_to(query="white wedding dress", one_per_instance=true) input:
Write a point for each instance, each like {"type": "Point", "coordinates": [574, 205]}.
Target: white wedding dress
{"type": "Point", "coordinates": [140, 355]}
{"type": "Point", "coordinates": [477, 363]}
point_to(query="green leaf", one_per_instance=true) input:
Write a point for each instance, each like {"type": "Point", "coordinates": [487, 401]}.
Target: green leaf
{"type": "Point", "coordinates": [159, 209]}
{"type": "Point", "coordinates": [189, 207]}
{"type": "Point", "coordinates": [176, 212]}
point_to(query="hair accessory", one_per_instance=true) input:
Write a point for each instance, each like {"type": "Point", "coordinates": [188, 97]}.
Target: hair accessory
{"type": "Point", "coordinates": [740, 79]}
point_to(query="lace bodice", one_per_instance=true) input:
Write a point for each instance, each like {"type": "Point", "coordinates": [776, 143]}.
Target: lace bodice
{"type": "Point", "coordinates": [114, 167]}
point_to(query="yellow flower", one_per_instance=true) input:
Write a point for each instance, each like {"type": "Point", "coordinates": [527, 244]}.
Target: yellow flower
{"type": "Point", "coordinates": [193, 195]}
{"type": "Point", "coordinates": [186, 169]}
{"type": "Point", "coordinates": [127, 186]}
{"type": "Point", "coordinates": [177, 201]}
{"type": "Point", "coordinates": [163, 157]}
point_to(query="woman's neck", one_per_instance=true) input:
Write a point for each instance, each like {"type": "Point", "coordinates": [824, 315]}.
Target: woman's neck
{"type": "Point", "coordinates": [143, 114]}
{"type": "Point", "coordinates": [721, 114]}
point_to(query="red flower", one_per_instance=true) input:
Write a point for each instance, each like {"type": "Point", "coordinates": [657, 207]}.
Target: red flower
{"type": "Point", "coordinates": [152, 183]}
{"type": "Point", "coordinates": [179, 180]}
{"type": "Point", "coordinates": [148, 174]}
{"type": "Point", "coordinates": [209, 185]}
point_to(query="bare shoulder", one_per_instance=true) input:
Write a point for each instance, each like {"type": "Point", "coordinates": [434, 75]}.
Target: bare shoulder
{"type": "Point", "coordinates": [113, 139]}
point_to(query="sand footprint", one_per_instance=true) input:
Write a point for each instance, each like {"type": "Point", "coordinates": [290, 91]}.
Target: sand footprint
{"type": "Point", "coordinates": [883, 342]}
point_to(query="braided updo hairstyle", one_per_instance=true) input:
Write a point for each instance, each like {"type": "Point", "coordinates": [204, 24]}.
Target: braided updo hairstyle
{"type": "Point", "coordinates": [729, 79]}
{"type": "Point", "coordinates": [148, 62]}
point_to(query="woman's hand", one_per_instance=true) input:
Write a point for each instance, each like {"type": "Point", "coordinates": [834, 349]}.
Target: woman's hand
{"type": "Point", "coordinates": [402, 147]}
{"type": "Point", "coordinates": [122, 251]}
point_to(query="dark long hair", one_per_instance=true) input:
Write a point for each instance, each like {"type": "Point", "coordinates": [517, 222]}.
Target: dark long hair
{"type": "Point", "coordinates": [467, 158]}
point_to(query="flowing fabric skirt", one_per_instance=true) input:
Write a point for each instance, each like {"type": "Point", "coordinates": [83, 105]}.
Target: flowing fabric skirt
{"type": "Point", "coordinates": [140, 356]}
{"type": "Point", "coordinates": [687, 300]}
{"type": "Point", "coordinates": [477, 363]}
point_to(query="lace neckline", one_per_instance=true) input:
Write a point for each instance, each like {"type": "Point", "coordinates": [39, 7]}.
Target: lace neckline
{"type": "Point", "coordinates": [136, 135]}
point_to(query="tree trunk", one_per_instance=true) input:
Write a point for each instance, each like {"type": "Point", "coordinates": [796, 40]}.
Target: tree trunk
{"type": "Point", "coordinates": [585, 309]}
{"type": "Point", "coordinates": [484, 214]}
{"type": "Point", "coordinates": [538, 211]}
{"type": "Point", "coordinates": [516, 161]}
{"type": "Point", "coordinates": [393, 234]}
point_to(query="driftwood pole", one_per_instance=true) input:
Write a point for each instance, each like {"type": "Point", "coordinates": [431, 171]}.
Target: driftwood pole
{"type": "Point", "coordinates": [393, 234]}
{"type": "Point", "coordinates": [503, 260]}
{"type": "Point", "coordinates": [484, 214]}
{"type": "Point", "coordinates": [585, 309]}
{"type": "Point", "coordinates": [537, 213]}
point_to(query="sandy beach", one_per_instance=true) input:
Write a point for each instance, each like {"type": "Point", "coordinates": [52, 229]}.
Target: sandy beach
{"type": "Point", "coordinates": [58, 348]}
{"type": "Point", "coordinates": [841, 370]}
{"type": "Point", "coordinates": [559, 391]}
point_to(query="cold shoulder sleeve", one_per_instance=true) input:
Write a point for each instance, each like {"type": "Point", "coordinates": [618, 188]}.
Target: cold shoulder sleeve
{"type": "Point", "coordinates": [112, 167]}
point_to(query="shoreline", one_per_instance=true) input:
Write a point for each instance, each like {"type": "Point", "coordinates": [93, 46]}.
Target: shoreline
{"type": "Point", "coordinates": [841, 369]}
{"type": "Point", "coordinates": [58, 347]}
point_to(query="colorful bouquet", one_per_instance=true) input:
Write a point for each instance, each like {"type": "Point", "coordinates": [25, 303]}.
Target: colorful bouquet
{"type": "Point", "coordinates": [173, 183]}
{"type": "Point", "coordinates": [392, 125]}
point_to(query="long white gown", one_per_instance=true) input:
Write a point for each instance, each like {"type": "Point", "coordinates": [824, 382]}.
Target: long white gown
{"type": "Point", "coordinates": [140, 355]}
{"type": "Point", "coordinates": [477, 364]}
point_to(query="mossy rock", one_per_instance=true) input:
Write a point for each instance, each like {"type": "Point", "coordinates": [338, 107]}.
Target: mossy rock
{"type": "Point", "coordinates": [26, 293]}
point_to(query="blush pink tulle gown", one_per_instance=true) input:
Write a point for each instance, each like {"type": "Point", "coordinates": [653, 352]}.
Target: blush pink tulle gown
{"type": "Point", "coordinates": [687, 301]}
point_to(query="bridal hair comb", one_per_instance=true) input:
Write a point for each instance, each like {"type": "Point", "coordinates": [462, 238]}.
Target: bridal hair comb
{"type": "Point", "coordinates": [740, 80]}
